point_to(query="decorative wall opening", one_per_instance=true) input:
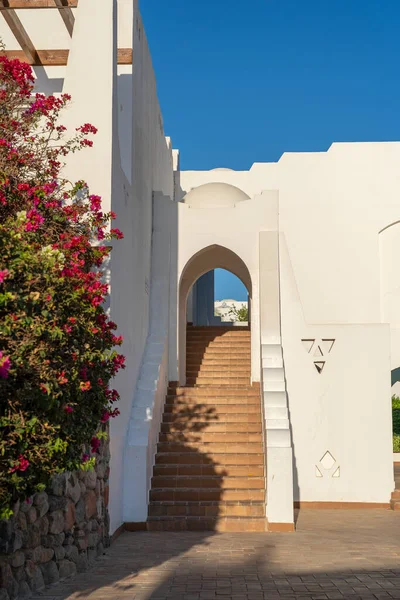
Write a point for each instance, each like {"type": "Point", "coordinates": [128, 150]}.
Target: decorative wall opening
{"type": "Point", "coordinates": [318, 349]}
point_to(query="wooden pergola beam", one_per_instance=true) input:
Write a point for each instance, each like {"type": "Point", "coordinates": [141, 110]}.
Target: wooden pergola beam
{"type": "Point", "coordinates": [20, 34]}
{"type": "Point", "coordinates": [53, 58]}
{"type": "Point", "coordinates": [66, 15]}
{"type": "Point", "coordinates": [21, 4]}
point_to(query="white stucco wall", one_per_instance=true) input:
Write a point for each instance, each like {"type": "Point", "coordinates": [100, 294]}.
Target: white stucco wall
{"type": "Point", "coordinates": [131, 159]}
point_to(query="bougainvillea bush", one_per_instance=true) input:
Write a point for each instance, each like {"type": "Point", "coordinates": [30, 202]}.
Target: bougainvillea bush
{"type": "Point", "coordinates": [57, 345]}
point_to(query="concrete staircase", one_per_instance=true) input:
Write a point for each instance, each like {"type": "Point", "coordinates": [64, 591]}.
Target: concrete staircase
{"type": "Point", "coordinates": [209, 467]}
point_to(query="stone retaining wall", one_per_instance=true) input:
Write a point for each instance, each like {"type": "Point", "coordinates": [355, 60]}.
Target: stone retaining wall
{"type": "Point", "coordinates": [59, 533]}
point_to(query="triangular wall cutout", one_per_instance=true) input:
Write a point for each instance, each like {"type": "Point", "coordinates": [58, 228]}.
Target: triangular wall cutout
{"type": "Point", "coordinates": [327, 345]}
{"type": "Point", "coordinates": [319, 366]}
{"type": "Point", "coordinates": [308, 344]}
{"type": "Point", "coordinates": [336, 473]}
{"type": "Point", "coordinates": [318, 351]}
{"type": "Point", "coordinates": [317, 472]}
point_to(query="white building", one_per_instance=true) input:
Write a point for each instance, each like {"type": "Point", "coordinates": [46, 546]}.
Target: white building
{"type": "Point", "coordinates": [227, 309]}
{"type": "Point", "coordinates": [314, 237]}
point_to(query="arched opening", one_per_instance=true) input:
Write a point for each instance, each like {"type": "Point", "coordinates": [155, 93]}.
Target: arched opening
{"type": "Point", "coordinates": [197, 284]}
{"type": "Point", "coordinates": [218, 298]}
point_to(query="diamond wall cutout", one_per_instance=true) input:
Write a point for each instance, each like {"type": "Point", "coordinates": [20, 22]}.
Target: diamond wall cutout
{"type": "Point", "coordinates": [327, 461]}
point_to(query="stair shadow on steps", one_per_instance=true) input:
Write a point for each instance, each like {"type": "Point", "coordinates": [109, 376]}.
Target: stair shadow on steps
{"type": "Point", "coordinates": [209, 472]}
{"type": "Point", "coordinates": [187, 482]}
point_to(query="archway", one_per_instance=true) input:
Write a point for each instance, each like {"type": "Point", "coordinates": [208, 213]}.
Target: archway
{"type": "Point", "coordinates": [206, 260]}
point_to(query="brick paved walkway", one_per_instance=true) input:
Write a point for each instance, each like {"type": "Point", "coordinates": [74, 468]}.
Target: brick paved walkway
{"type": "Point", "coordinates": [334, 554]}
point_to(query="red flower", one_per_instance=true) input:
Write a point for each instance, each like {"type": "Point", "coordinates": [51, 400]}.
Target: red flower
{"type": "Point", "coordinates": [68, 409]}
{"type": "Point", "coordinates": [21, 464]}
{"type": "Point", "coordinates": [95, 444]}
{"type": "Point", "coordinates": [85, 386]}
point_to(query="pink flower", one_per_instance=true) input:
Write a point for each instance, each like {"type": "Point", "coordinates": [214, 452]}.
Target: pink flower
{"type": "Point", "coordinates": [68, 409]}
{"type": "Point", "coordinates": [117, 233]}
{"type": "Point", "coordinates": [85, 457]}
{"type": "Point", "coordinates": [105, 417]}
{"type": "Point", "coordinates": [5, 365]}
{"type": "Point", "coordinates": [85, 386]}
{"type": "Point", "coordinates": [4, 274]}
{"type": "Point", "coordinates": [95, 443]}
{"type": "Point", "coordinates": [21, 465]}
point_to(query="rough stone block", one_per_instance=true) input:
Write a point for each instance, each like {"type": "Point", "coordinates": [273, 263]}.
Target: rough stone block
{"type": "Point", "coordinates": [50, 572]}
{"type": "Point", "coordinates": [57, 503]}
{"type": "Point", "coordinates": [80, 511]}
{"type": "Point", "coordinates": [33, 536]}
{"type": "Point", "coordinates": [19, 574]}
{"type": "Point", "coordinates": [82, 562]}
{"type": "Point", "coordinates": [93, 539]}
{"type": "Point", "coordinates": [58, 484]}
{"type": "Point", "coordinates": [59, 552]}
{"type": "Point", "coordinates": [40, 499]}
{"type": "Point", "coordinates": [7, 580]}
{"type": "Point", "coordinates": [35, 577]}
{"type": "Point", "coordinates": [56, 521]}
{"type": "Point", "coordinates": [26, 506]}
{"type": "Point", "coordinates": [41, 554]}
{"type": "Point", "coordinates": [31, 515]}
{"type": "Point", "coordinates": [4, 594]}
{"type": "Point", "coordinates": [69, 516]}
{"type": "Point", "coordinates": [17, 559]}
{"type": "Point", "coordinates": [67, 568]}
{"type": "Point", "coordinates": [73, 489]}
{"type": "Point", "coordinates": [24, 591]}
{"type": "Point", "coordinates": [90, 479]}
{"type": "Point", "coordinates": [90, 504]}
{"type": "Point", "coordinates": [51, 541]}
{"type": "Point", "coordinates": [21, 521]}
{"type": "Point", "coordinates": [43, 525]}
{"type": "Point", "coordinates": [72, 553]}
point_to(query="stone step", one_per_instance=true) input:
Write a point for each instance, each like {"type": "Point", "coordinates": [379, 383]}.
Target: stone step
{"type": "Point", "coordinates": [207, 509]}
{"type": "Point", "coordinates": [218, 379]}
{"type": "Point", "coordinates": [250, 412]}
{"type": "Point", "coordinates": [206, 495]}
{"type": "Point", "coordinates": [205, 436]}
{"type": "Point", "coordinates": [216, 369]}
{"type": "Point", "coordinates": [208, 470]}
{"type": "Point", "coordinates": [201, 482]}
{"type": "Point", "coordinates": [211, 447]}
{"type": "Point", "coordinates": [220, 415]}
{"type": "Point", "coordinates": [251, 390]}
{"type": "Point", "coordinates": [210, 459]}
{"type": "Point", "coordinates": [218, 524]}
{"type": "Point", "coordinates": [220, 360]}
{"type": "Point", "coordinates": [210, 427]}
{"type": "Point", "coordinates": [213, 399]}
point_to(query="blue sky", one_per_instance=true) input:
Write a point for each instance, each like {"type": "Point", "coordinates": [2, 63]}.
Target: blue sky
{"type": "Point", "coordinates": [244, 82]}
{"type": "Point", "coordinates": [228, 286]}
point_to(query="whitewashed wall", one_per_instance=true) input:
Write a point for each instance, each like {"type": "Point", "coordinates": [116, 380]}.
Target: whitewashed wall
{"type": "Point", "coordinates": [130, 160]}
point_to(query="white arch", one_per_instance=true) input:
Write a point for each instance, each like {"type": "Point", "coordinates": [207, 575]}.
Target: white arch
{"type": "Point", "coordinates": [211, 257]}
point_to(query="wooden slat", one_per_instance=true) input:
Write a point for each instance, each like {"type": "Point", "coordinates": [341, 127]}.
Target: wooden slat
{"type": "Point", "coordinates": [54, 58]}
{"type": "Point", "coordinates": [66, 15]}
{"type": "Point", "coordinates": [20, 34]}
{"type": "Point", "coordinates": [21, 4]}
{"type": "Point", "coordinates": [125, 56]}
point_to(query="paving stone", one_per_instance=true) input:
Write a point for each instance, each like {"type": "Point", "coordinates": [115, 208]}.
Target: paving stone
{"type": "Point", "coordinates": [333, 555]}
